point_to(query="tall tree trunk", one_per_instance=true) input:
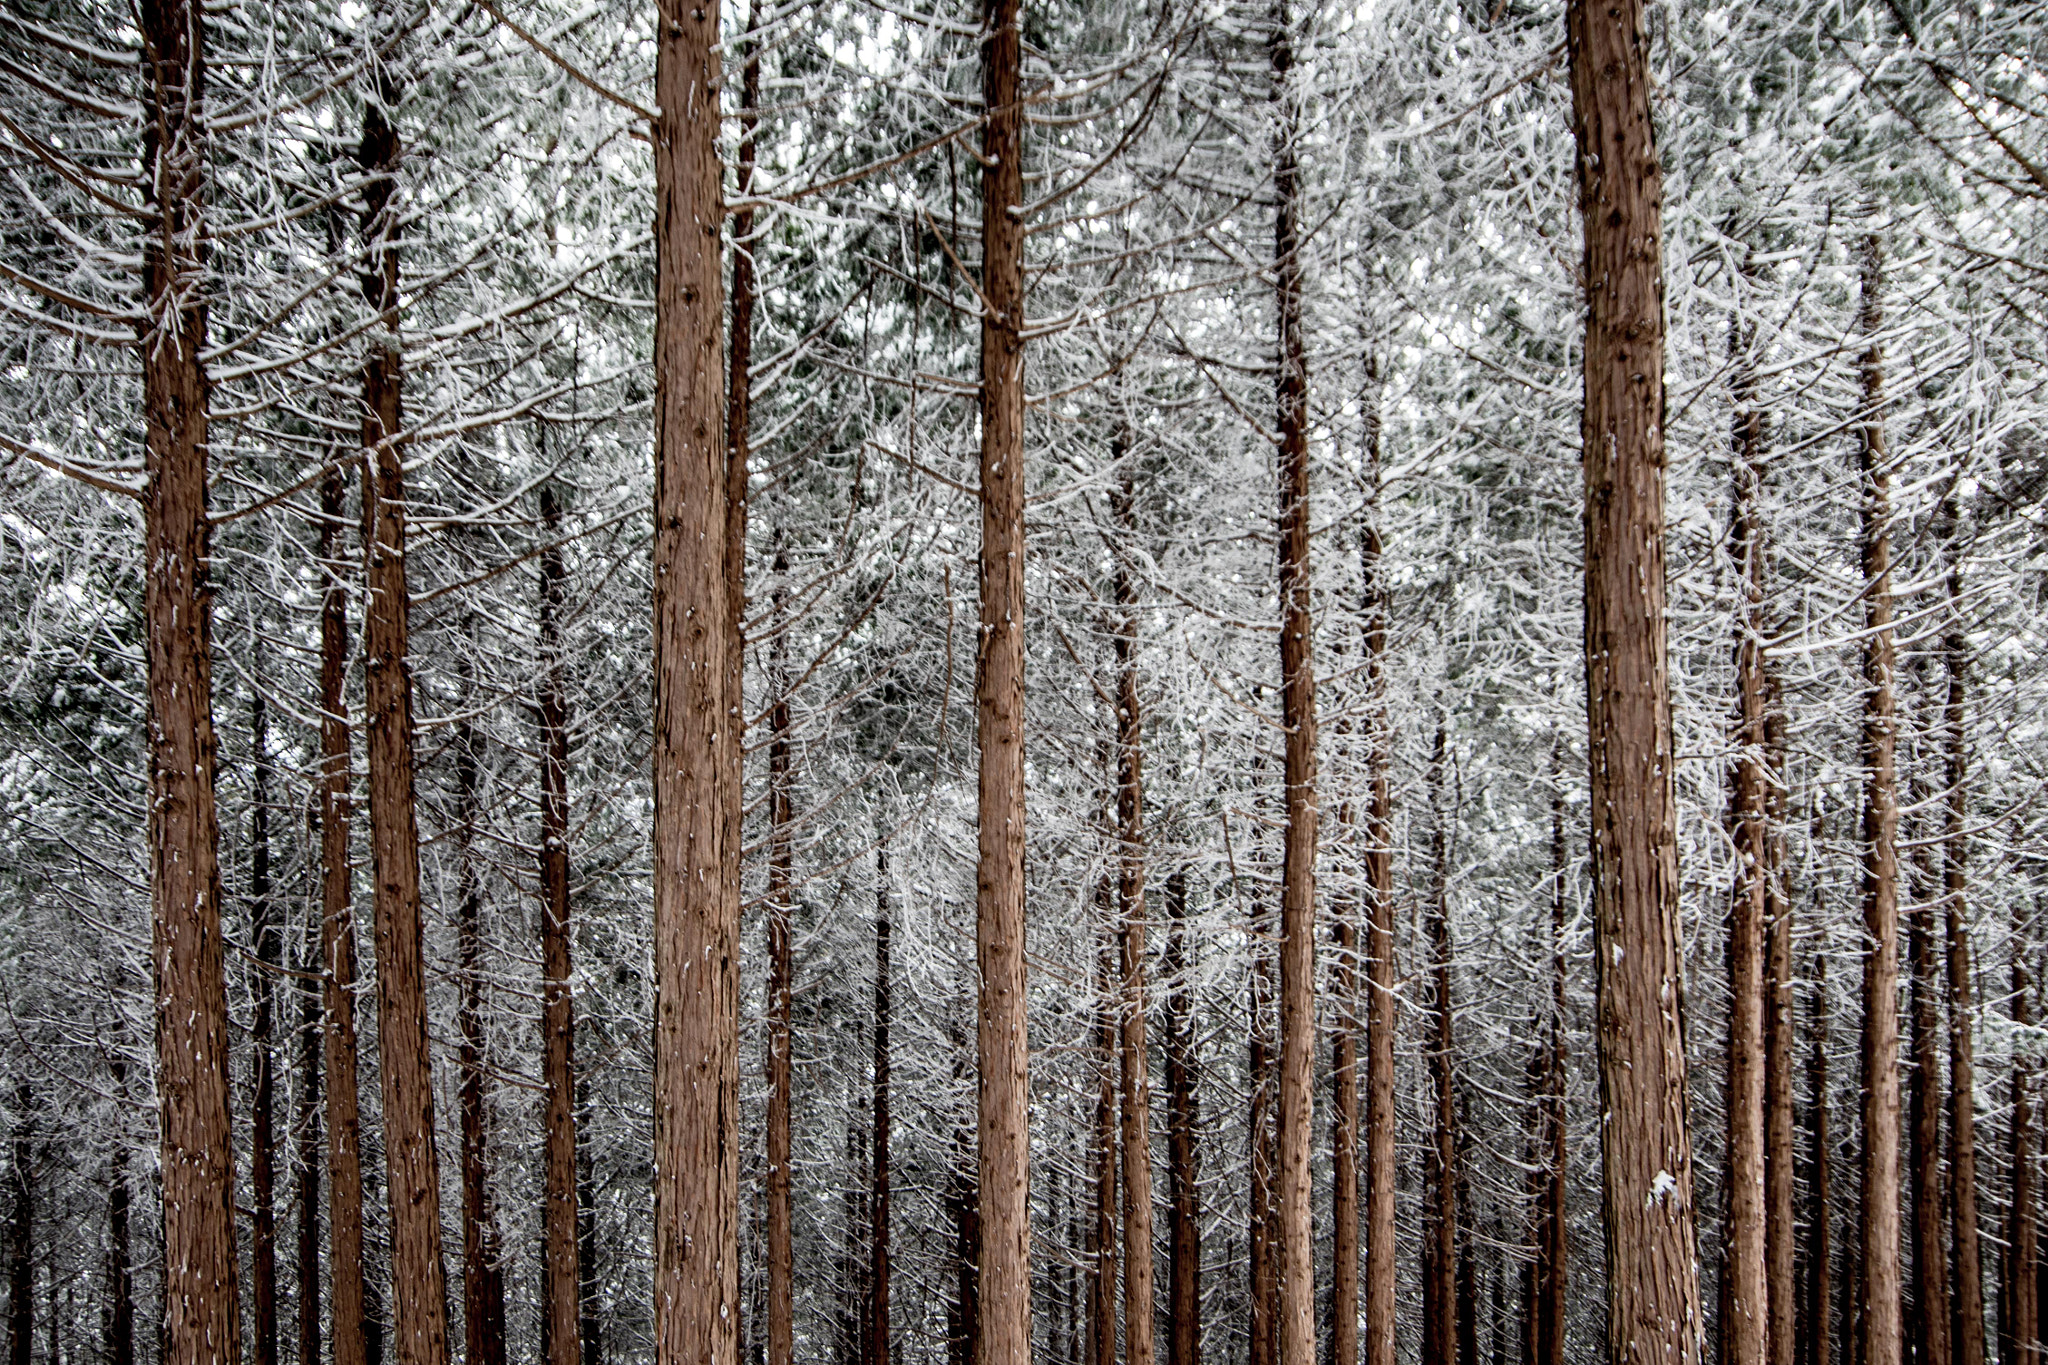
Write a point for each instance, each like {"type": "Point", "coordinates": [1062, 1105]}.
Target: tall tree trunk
{"type": "Point", "coordinates": [267, 939]}
{"type": "Point", "coordinates": [202, 1288]}
{"type": "Point", "coordinates": [1264, 1275]}
{"type": "Point", "coordinates": [963, 1207]}
{"type": "Point", "coordinates": [413, 1184]}
{"type": "Point", "coordinates": [21, 1265]}
{"type": "Point", "coordinates": [1344, 1133]}
{"type": "Point", "coordinates": [483, 1276]}
{"type": "Point", "coordinates": [306, 1125]}
{"type": "Point", "coordinates": [1815, 1340]}
{"type": "Point", "coordinates": [1962, 1046]}
{"type": "Point", "coordinates": [1440, 1218]}
{"type": "Point", "coordinates": [1653, 1304]}
{"type": "Point", "coordinates": [1298, 717]}
{"type": "Point", "coordinates": [2020, 1299]}
{"type": "Point", "coordinates": [878, 1200]}
{"type": "Point", "coordinates": [696, 722]}
{"type": "Point", "coordinates": [1183, 1084]}
{"type": "Point", "coordinates": [1929, 1323]}
{"type": "Point", "coordinates": [347, 1308]}
{"type": "Point", "coordinates": [1002, 1044]}
{"type": "Point", "coordinates": [1382, 1013]}
{"type": "Point", "coordinates": [1744, 1321]}
{"type": "Point", "coordinates": [1546, 1317]}
{"type": "Point", "coordinates": [1878, 1227]}
{"type": "Point", "coordinates": [120, 1281]}
{"type": "Point", "coordinates": [1103, 1149]}
{"type": "Point", "coordinates": [563, 1292]}
{"type": "Point", "coordinates": [781, 1316]}
{"type": "Point", "coordinates": [1780, 1144]}
{"type": "Point", "coordinates": [586, 1231]}
{"type": "Point", "coordinates": [1137, 1081]}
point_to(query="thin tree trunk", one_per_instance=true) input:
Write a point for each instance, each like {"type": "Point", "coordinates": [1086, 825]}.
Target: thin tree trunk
{"type": "Point", "coordinates": [1102, 1280]}
{"type": "Point", "coordinates": [1298, 715]}
{"type": "Point", "coordinates": [586, 1231]}
{"type": "Point", "coordinates": [1878, 1227]}
{"type": "Point", "coordinates": [21, 1265]}
{"type": "Point", "coordinates": [1440, 1219]}
{"type": "Point", "coordinates": [1744, 1321]}
{"type": "Point", "coordinates": [563, 1292]}
{"type": "Point", "coordinates": [1382, 1013]}
{"type": "Point", "coordinates": [306, 1123]}
{"type": "Point", "coordinates": [1546, 1327]}
{"type": "Point", "coordinates": [1780, 1143]}
{"type": "Point", "coordinates": [1653, 1304]}
{"type": "Point", "coordinates": [266, 937]}
{"type": "Point", "coordinates": [1183, 1082]}
{"type": "Point", "coordinates": [1264, 1276]}
{"type": "Point", "coordinates": [1929, 1324]}
{"type": "Point", "coordinates": [202, 1287]}
{"type": "Point", "coordinates": [1815, 1340]}
{"type": "Point", "coordinates": [483, 1276]}
{"type": "Point", "coordinates": [1344, 1134]}
{"type": "Point", "coordinates": [1002, 1046]}
{"type": "Point", "coordinates": [878, 1201]}
{"type": "Point", "coordinates": [413, 1184]}
{"type": "Point", "coordinates": [696, 722]}
{"type": "Point", "coordinates": [781, 1319]}
{"type": "Point", "coordinates": [1962, 1047]}
{"type": "Point", "coordinates": [2020, 1301]}
{"type": "Point", "coordinates": [963, 1206]}
{"type": "Point", "coordinates": [120, 1263]}
{"type": "Point", "coordinates": [1131, 929]}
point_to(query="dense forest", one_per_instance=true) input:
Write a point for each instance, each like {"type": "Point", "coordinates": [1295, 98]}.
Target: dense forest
{"type": "Point", "coordinates": [871, 683]}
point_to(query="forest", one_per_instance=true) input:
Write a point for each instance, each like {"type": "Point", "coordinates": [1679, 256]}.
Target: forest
{"type": "Point", "coordinates": [1113, 682]}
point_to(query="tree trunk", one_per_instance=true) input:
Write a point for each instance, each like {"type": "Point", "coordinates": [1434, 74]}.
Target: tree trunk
{"type": "Point", "coordinates": [413, 1184]}
{"type": "Point", "coordinates": [1815, 1342]}
{"type": "Point", "coordinates": [1780, 1232]}
{"type": "Point", "coordinates": [1878, 1227]}
{"type": "Point", "coordinates": [1929, 1322]}
{"type": "Point", "coordinates": [1183, 1082]}
{"type": "Point", "coordinates": [963, 1205]}
{"type": "Point", "coordinates": [1344, 1134]}
{"type": "Point", "coordinates": [306, 1122]}
{"type": "Point", "coordinates": [697, 710]}
{"type": "Point", "coordinates": [1382, 1013]}
{"type": "Point", "coordinates": [563, 1292]}
{"type": "Point", "coordinates": [1440, 1219]}
{"type": "Point", "coordinates": [483, 1276]}
{"type": "Point", "coordinates": [21, 1266]}
{"type": "Point", "coordinates": [202, 1288]}
{"type": "Point", "coordinates": [120, 1279]}
{"type": "Point", "coordinates": [347, 1309]}
{"type": "Point", "coordinates": [1264, 1275]}
{"type": "Point", "coordinates": [1102, 1229]}
{"type": "Point", "coordinates": [1002, 1045]}
{"type": "Point", "coordinates": [1744, 1322]}
{"type": "Point", "coordinates": [878, 1201]}
{"type": "Point", "coordinates": [1131, 929]}
{"type": "Point", "coordinates": [587, 1266]}
{"type": "Point", "coordinates": [1653, 1307]}
{"type": "Point", "coordinates": [1546, 1326]}
{"type": "Point", "coordinates": [2020, 1299]}
{"type": "Point", "coordinates": [1962, 1047]}
{"type": "Point", "coordinates": [781, 1271]}
{"type": "Point", "coordinates": [1298, 717]}
{"type": "Point", "coordinates": [266, 939]}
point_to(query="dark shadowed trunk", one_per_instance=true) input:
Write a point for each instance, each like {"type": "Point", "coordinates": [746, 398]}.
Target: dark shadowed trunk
{"type": "Point", "coordinates": [1183, 1084]}
{"type": "Point", "coordinates": [120, 1275]}
{"type": "Point", "coordinates": [483, 1276]}
{"type": "Point", "coordinates": [878, 1200]}
{"type": "Point", "coordinates": [1928, 1318]}
{"type": "Point", "coordinates": [1103, 1160]}
{"type": "Point", "coordinates": [1817, 1305]}
{"type": "Point", "coordinates": [781, 1319]}
{"type": "Point", "coordinates": [21, 1265]}
{"type": "Point", "coordinates": [562, 1293]}
{"type": "Point", "coordinates": [1548, 1275]}
{"type": "Point", "coordinates": [306, 1158]}
{"type": "Point", "coordinates": [1263, 1275]}
{"type": "Point", "coordinates": [1440, 1159]}
{"type": "Point", "coordinates": [266, 937]}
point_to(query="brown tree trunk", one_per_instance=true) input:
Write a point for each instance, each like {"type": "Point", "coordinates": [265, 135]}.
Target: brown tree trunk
{"type": "Point", "coordinates": [1877, 1260]}
{"type": "Point", "coordinates": [1002, 1044]}
{"type": "Point", "coordinates": [562, 1294]}
{"type": "Point", "coordinates": [2019, 1317]}
{"type": "Point", "coordinates": [1344, 1135]}
{"type": "Point", "coordinates": [963, 1207]}
{"type": "Point", "coordinates": [1263, 1274]}
{"type": "Point", "coordinates": [413, 1184]}
{"type": "Point", "coordinates": [1382, 1014]}
{"type": "Point", "coordinates": [1653, 1304]}
{"type": "Point", "coordinates": [1136, 1103]}
{"type": "Point", "coordinates": [1968, 1300]}
{"type": "Point", "coordinates": [781, 1316]}
{"type": "Point", "coordinates": [1298, 717]}
{"type": "Point", "coordinates": [346, 1313]}
{"type": "Point", "coordinates": [306, 1122]}
{"type": "Point", "coordinates": [1103, 1160]}
{"type": "Point", "coordinates": [878, 1199]}
{"type": "Point", "coordinates": [1440, 1163]}
{"type": "Point", "coordinates": [1183, 1082]}
{"type": "Point", "coordinates": [21, 1265]}
{"type": "Point", "coordinates": [1929, 1322]}
{"type": "Point", "coordinates": [1547, 1280]}
{"type": "Point", "coordinates": [120, 1280]}
{"type": "Point", "coordinates": [266, 938]}
{"type": "Point", "coordinates": [483, 1276]}
{"type": "Point", "coordinates": [201, 1290]}
{"type": "Point", "coordinates": [1780, 1144]}
{"type": "Point", "coordinates": [1746, 1312]}
{"type": "Point", "coordinates": [696, 723]}
{"type": "Point", "coordinates": [1815, 1341]}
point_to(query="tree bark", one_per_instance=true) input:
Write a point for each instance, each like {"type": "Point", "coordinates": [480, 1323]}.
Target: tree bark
{"type": "Point", "coordinates": [1780, 1144]}
{"type": "Point", "coordinates": [1344, 1133]}
{"type": "Point", "coordinates": [413, 1185]}
{"type": "Point", "coordinates": [1264, 1275]}
{"type": "Point", "coordinates": [563, 1293]}
{"type": "Point", "coordinates": [120, 1273]}
{"type": "Point", "coordinates": [1653, 1307]}
{"type": "Point", "coordinates": [1929, 1322]}
{"type": "Point", "coordinates": [878, 1199]}
{"type": "Point", "coordinates": [1440, 1166]}
{"type": "Point", "coordinates": [587, 1266]}
{"type": "Point", "coordinates": [1102, 1279]}
{"type": "Point", "coordinates": [1002, 1044]}
{"type": "Point", "coordinates": [1547, 1321]}
{"type": "Point", "coordinates": [266, 939]}
{"type": "Point", "coordinates": [306, 1122]}
{"type": "Point", "coordinates": [2019, 1317]}
{"type": "Point", "coordinates": [1877, 1259]}
{"type": "Point", "coordinates": [21, 1265]}
{"type": "Point", "coordinates": [1183, 1084]}
{"type": "Point", "coordinates": [1136, 1101]}
{"type": "Point", "coordinates": [697, 718]}
{"type": "Point", "coordinates": [963, 1207]}
{"type": "Point", "coordinates": [1815, 1341]}
{"type": "Point", "coordinates": [202, 1287]}
{"type": "Point", "coordinates": [1298, 718]}
{"type": "Point", "coordinates": [781, 1271]}
{"type": "Point", "coordinates": [483, 1277]}
{"type": "Point", "coordinates": [1968, 1300]}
